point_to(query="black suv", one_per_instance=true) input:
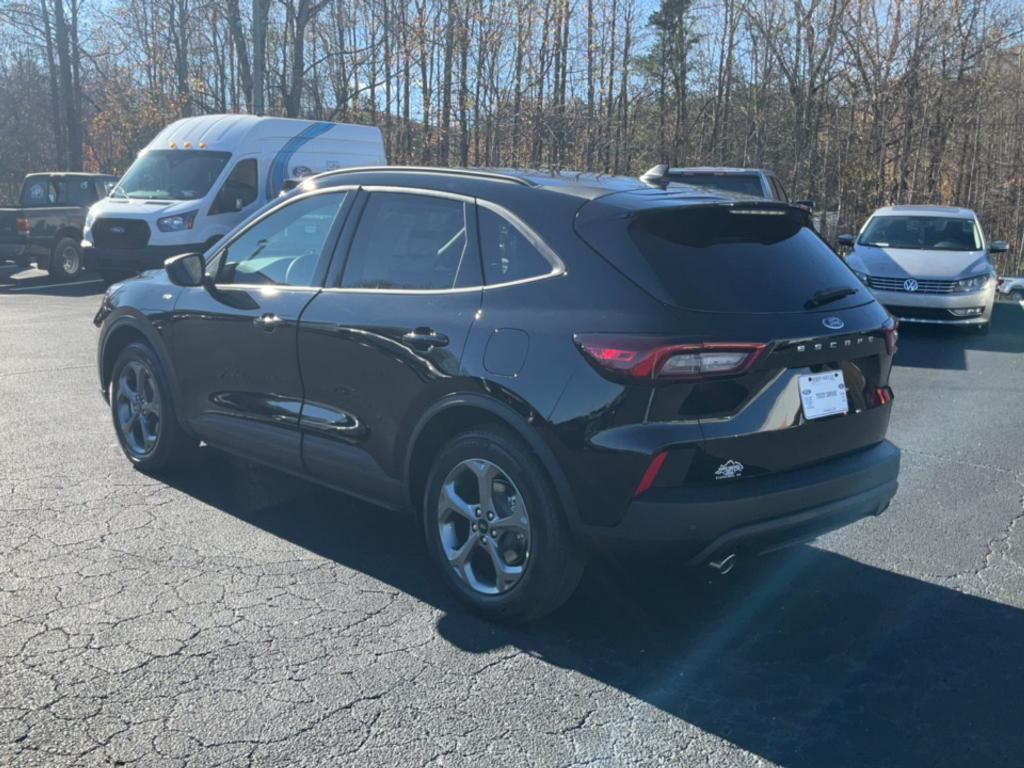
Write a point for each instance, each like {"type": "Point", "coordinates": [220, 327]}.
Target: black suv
{"type": "Point", "coordinates": [531, 364]}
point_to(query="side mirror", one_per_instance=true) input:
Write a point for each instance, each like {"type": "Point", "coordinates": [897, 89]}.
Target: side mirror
{"type": "Point", "coordinates": [808, 204]}
{"type": "Point", "coordinates": [846, 241]}
{"type": "Point", "coordinates": [187, 270]}
{"type": "Point", "coordinates": [998, 246]}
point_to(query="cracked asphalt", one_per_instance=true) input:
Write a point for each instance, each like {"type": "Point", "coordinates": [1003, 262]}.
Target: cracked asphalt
{"type": "Point", "coordinates": [233, 616]}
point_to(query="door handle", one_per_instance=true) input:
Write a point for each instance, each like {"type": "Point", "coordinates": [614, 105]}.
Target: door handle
{"type": "Point", "coordinates": [425, 338]}
{"type": "Point", "coordinates": [267, 322]}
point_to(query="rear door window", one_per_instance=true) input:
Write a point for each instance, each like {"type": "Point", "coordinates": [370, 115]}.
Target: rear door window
{"type": "Point", "coordinates": [727, 259]}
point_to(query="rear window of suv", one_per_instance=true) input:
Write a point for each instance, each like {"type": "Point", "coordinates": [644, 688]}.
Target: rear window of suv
{"type": "Point", "coordinates": [728, 259]}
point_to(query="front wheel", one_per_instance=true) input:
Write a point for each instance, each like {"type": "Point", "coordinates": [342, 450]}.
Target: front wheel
{"type": "Point", "coordinates": [143, 411]}
{"type": "Point", "coordinates": [495, 527]}
{"type": "Point", "coordinates": [66, 260]}
{"type": "Point", "coordinates": [1016, 295]}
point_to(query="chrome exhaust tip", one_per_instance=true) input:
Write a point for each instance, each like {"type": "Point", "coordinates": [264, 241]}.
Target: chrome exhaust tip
{"type": "Point", "coordinates": [724, 565]}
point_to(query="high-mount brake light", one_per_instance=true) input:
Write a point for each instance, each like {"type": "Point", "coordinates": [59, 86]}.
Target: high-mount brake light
{"type": "Point", "coordinates": [635, 358]}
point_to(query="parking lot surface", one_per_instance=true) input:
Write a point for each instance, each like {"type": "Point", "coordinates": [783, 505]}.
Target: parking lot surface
{"type": "Point", "coordinates": [228, 615]}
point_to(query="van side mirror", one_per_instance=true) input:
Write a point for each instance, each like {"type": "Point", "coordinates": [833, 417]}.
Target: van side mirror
{"type": "Point", "coordinates": [998, 246]}
{"type": "Point", "coordinates": [187, 269]}
{"type": "Point", "coordinates": [846, 241]}
{"type": "Point", "coordinates": [809, 203]}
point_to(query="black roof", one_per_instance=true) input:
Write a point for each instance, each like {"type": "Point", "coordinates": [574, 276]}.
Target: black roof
{"type": "Point", "coordinates": [629, 192]}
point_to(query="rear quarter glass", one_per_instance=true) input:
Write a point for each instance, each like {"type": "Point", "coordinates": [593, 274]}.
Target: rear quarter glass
{"type": "Point", "coordinates": [725, 258]}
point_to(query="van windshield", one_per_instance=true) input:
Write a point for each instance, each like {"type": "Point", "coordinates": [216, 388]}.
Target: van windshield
{"type": "Point", "coordinates": [930, 233]}
{"type": "Point", "coordinates": [171, 174]}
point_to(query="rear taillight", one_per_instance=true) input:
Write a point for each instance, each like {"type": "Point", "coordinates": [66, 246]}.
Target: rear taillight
{"type": "Point", "coordinates": [636, 358]}
{"type": "Point", "coordinates": [24, 226]}
{"type": "Point", "coordinates": [892, 335]}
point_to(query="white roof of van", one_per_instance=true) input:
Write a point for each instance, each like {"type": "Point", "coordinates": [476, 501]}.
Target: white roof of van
{"type": "Point", "coordinates": [228, 132]}
{"type": "Point", "coordinates": [926, 210]}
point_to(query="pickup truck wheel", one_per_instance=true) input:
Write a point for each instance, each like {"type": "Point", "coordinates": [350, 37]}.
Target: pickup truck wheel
{"type": "Point", "coordinates": [66, 259]}
{"type": "Point", "coordinates": [143, 412]}
{"type": "Point", "coordinates": [495, 528]}
{"type": "Point", "coordinates": [1017, 295]}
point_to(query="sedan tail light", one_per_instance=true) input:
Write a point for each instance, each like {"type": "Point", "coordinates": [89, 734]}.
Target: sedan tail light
{"type": "Point", "coordinates": [24, 226]}
{"type": "Point", "coordinates": [633, 358]}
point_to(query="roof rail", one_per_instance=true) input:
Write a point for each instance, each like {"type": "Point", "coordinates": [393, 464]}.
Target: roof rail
{"type": "Point", "coordinates": [471, 172]}
{"type": "Point", "coordinates": [656, 176]}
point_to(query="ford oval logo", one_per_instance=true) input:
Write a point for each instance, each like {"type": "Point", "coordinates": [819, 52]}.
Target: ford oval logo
{"type": "Point", "coordinates": [910, 285]}
{"type": "Point", "coordinates": [833, 323]}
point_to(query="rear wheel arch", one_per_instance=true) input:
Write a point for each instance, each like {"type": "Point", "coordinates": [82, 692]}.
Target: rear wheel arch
{"type": "Point", "coordinates": [459, 413]}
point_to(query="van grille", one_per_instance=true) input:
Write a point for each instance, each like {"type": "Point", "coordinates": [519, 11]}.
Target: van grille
{"type": "Point", "coordinates": [923, 286]}
{"type": "Point", "coordinates": [120, 233]}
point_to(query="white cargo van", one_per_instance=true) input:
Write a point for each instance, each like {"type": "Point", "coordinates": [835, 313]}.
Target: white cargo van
{"type": "Point", "coordinates": [201, 176]}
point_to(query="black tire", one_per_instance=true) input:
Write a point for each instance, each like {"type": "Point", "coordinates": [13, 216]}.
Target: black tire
{"type": "Point", "coordinates": [171, 445]}
{"type": "Point", "coordinates": [65, 260]}
{"type": "Point", "coordinates": [553, 564]}
{"type": "Point", "coordinates": [1016, 295]}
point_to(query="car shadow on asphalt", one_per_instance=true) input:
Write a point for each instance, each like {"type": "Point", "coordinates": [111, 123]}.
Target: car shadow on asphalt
{"type": "Point", "coordinates": [935, 346]}
{"type": "Point", "coordinates": [804, 658]}
{"type": "Point", "coordinates": [31, 280]}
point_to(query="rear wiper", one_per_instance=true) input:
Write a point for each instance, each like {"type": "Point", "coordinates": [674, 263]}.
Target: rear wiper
{"type": "Point", "coordinates": [828, 295]}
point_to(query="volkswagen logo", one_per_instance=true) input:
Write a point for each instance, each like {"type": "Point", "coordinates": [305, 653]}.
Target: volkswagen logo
{"type": "Point", "coordinates": [833, 323]}
{"type": "Point", "coordinates": [910, 284]}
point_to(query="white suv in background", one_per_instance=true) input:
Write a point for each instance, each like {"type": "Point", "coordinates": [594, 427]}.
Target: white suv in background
{"type": "Point", "coordinates": [927, 264]}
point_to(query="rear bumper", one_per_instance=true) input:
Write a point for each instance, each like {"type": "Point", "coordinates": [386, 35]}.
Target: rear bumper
{"type": "Point", "coordinates": [764, 513]}
{"type": "Point", "coordinates": [133, 259]}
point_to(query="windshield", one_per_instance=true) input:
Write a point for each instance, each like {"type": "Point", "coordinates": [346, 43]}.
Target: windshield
{"type": "Point", "coordinates": [172, 174]}
{"type": "Point", "coordinates": [931, 233]}
{"type": "Point", "coordinates": [741, 183]}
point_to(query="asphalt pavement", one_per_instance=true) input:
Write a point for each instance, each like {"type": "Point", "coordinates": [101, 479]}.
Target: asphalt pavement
{"type": "Point", "coordinates": [232, 616]}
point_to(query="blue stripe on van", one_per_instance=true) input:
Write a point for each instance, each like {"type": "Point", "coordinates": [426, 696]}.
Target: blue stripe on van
{"type": "Point", "coordinates": [279, 165]}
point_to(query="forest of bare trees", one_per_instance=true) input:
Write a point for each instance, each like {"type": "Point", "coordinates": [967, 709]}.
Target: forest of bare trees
{"type": "Point", "coordinates": [856, 103]}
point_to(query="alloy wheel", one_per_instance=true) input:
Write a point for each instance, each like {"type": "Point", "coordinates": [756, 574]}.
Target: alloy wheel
{"type": "Point", "coordinates": [138, 408]}
{"type": "Point", "coordinates": [484, 527]}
